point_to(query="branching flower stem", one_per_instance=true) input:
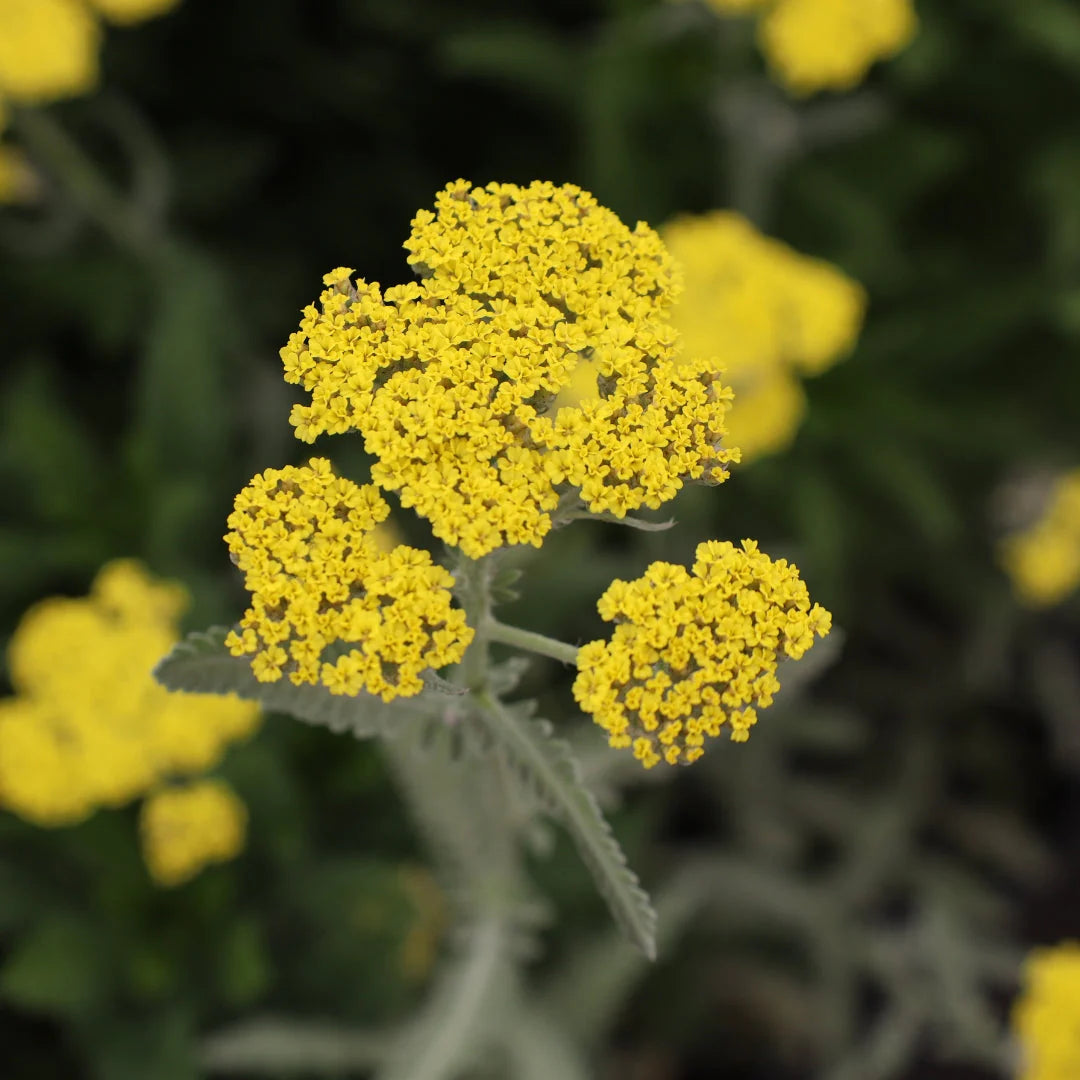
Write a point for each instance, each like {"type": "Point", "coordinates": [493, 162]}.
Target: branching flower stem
{"type": "Point", "coordinates": [493, 630]}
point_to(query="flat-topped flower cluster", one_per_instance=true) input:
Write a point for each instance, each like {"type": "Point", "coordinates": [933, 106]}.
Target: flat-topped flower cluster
{"type": "Point", "coordinates": [696, 650]}
{"type": "Point", "coordinates": [451, 379]}
{"type": "Point", "coordinates": [319, 576]}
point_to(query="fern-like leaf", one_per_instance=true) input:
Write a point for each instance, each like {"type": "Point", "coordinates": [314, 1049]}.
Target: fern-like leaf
{"type": "Point", "coordinates": [200, 664]}
{"type": "Point", "coordinates": [548, 767]}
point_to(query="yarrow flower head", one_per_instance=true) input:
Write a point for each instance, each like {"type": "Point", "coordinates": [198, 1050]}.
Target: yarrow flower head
{"type": "Point", "coordinates": [184, 828]}
{"type": "Point", "coordinates": [451, 380]}
{"type": "Point", "coordinates": [767, 313]}
{"type": "Point", "coordinates": [329, 603]}
{"type": "Point", "coordinates": [1046, 1016]}
{"type": "Point", "coordinates": [1043, 560]}
{"type": "Point", "coordinates": [88, 726]}
{"type": "Point", "coordinates": [695, 650]}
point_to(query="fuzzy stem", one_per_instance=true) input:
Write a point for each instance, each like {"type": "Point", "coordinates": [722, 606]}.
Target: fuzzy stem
{"type": "Point", "coordinates": [530, 641]}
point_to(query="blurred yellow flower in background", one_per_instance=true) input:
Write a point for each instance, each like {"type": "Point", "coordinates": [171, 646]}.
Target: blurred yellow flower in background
{"type": "Point", "coordinates": [1043, 560]}
{"type": "Point", "coordinates": [88, 727]}
{"type": "Point", "coordinates": [48, 51]}
{"type": "Point", "coordinates": [49, 48]}
{"type": "Point", "coordinates": [816, 45]}
{"type": "Point", "coordinates": [1046, 1016]}
{"type": "Point", "coordinates": [766, 314]}
{"type": "Point", "coordinates": [832, 44]}
{"type": "Point", "coordinates": [185, 828]}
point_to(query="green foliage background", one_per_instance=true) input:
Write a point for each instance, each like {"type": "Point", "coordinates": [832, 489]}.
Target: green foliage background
{"type": "Point", "coordinates": [929, 774]}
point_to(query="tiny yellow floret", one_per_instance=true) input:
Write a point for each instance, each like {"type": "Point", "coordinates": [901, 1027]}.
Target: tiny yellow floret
{"type": "Point", "coordinates": [322, 579]}
{"type": "Point", "coordinates": [452, 381]}
{"type": "Point", "coordinates": [1046, 1016]}
{"type": "Point", "coordinates": [1043, 560]}
{"type": "Point", "coordinates": [184, 829]}
{"type": "Point", "coordinates": [695, 650]}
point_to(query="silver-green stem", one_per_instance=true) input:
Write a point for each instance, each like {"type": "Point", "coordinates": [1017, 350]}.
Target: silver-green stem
{"type": "Point", "coordinates": [474, 590]}
{"type": "Point", "coordinates": [530, 641]}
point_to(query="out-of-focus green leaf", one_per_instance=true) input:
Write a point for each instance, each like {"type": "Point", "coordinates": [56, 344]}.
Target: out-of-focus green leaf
{"type": "Point", "coordinates": [44, 447]}
{"type": "Point", "coordinates": [243, 964]}
{"type": "Point", "coordinates": [160, 1045]}
{"type": "Point", "coordinates": [60, 966]}
{"type": "Point", "coordinates": [181, 401]}
{"type": "Point", "coordinates": [530, 58]}
{"type": "Point", "coordinates": [1052, 26]}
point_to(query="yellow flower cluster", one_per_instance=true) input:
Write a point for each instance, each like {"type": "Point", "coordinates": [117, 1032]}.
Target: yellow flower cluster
{"type": "Point", "coordinates": [185, 828]}
{"type": "Point", "coordinates": [88, 726]}
{"type": "Point", "coordinates": [320, 575]}
{"type": "Point", "coordinates": [826, 44]}
{"type": "Point", "coordinates": [767, 313]}
{"type": "Point", "coordinates": [451, 380]}
{"type": "Point", "coordinates": [1046, 1017]}
{"type": "Point", "coordinates": [692, 651]}
{"type": "Point", "coordinates": [49, 50]}
{"type": "Point", "coordinates": [1044, 560]}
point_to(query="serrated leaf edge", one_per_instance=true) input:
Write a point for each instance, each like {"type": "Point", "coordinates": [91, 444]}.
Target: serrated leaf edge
{"type": "Point", "coordinates": [554, 775]}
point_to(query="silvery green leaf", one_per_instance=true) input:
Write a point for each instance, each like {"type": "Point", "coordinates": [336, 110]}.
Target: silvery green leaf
{"type": "Point", "coordinates": [547, 767]}
{"type": "Point", "coordinates": [200, 664]}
